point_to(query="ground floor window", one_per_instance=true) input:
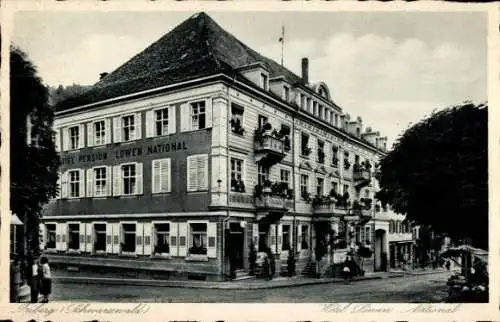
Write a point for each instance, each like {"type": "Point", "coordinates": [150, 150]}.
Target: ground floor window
{"type": "Point", "coordinates": [162, 235]}
{"type": "Point", "coordinates": [74, 236]}
{"type": "Point", "coordinates": [304, 243]}
{"type": "Point", "coordinates": [128, 242]}
{"type": "Point", "coordinates": [286, 237]}
{"type": "Point", "coordinates": [198, 240]}
{"type": "Point", "coordinates": [51, 236]}
{"type": "Point", "coordinates": [100, 237]}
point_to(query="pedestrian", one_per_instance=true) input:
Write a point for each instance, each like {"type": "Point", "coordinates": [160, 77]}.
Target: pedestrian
{"type": "Point", "coordinates": [35, 280]}
{"type": "Point", "coordinates": [46, 287]}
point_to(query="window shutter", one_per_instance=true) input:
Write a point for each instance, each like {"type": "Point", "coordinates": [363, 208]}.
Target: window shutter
{"type": "Point", "coordinates": [57, 140]}
{"type": "Point", "coordinates": [58, 237]}
{"type": "Point", "coordinates": [148, 238]}
{"type": "Point", "coordinates": [150, 124]}
{"type": "Point", "coordinates": [81, 136]}
{"type": "Point", "coordinates": [212, 240]}
{"type": "Point", "coordinates": [255, 235]}
{"type": "Point", "coordinates": [117, 129]}
{"type": "Point", "coordinates": [90, 183]}
{"type": "Point", "coordinates": [192, 180]}
{"type": "Point", "coordinates": [117, 180]}
{"type": "Point", "coordinates": [117, 238]}
{"type": "Point", "coordinates": [109, 180]}
{"type": "Point", "coordinates": [82, 237]}
{"type": "Point", "coordinates": [139, 238]}
{"type": "Point", "coordinates": [89, 239]}
{"type": "Point", "coordinates": [208, 109]}
{"type": "Point", "coordinates": [64, 185]}
{"type": "Point", "coordinates": [156, 182]}
{"type": "Point", "coordinates": [64, 236]}
{"type": "Point", "coordinates": [183, 239]}
{"type": "Point", "coordinates": [185, 118]}
{"type": "Point", "coordinates": [172, 129]}
{"type": "Point", "coordinates": [58, 184]}
{"type": "Point", "coordinates": [280, 238]}
{"type": "Point", "coordinates": [43, 236]}
{"type": "Point", "coordinates": [65, 135]}
{"type": "Point", "coordinates": [90, 134]}
{"type": "Point", "coordinates": [299, 238]}
{"type": "Point", "coordinates": [82, 183]}
{"type": "Point", "coordinates": [138, 128]}
{"type": "Point", "coordinates": [272, 238]}
{"type": "Point", "coordinates": [109, 238]}
{"type": "Point", "coordinates": [174, 239]}
{"type": "Point", "coordinates": [138, 172]}
{"type": "Point", "coordinates": [202, 172]}
{"type": "Point", "coordinates": [164, 175]}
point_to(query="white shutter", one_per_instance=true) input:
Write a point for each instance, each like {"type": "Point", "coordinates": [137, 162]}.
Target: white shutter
{"type": "Point", "coordinates": [272, 238]}
{"type": "Point", "coordinates": [185, 118]}
{"type": "Point", "coordinates": [202, 172]}
{"type": "Point", "coordinates": [64, 236]}
{"type": "Point", "coordinates": [117, 237]}
{"type": "Point", "coordinates": [183, 239]}
{"type": "Point", "coordinates": [82, 183]}
{"type": "Point", "coordinates": [156, 180]}
{"type": "Point", "coordinates": [90, 134]}
{"type": "Point", "coordinates": [117, 129]}
{"type": "Point", "coordinates": [65, 135]}
{"type": "Point", "coordinates": [299, 238]}
{"type": "Point", "coordinates": [138, 174]}
{"type": "Point", "coordinates": [171, 120]}
{"type": "Point", "coordinates": [89, 238]}
{"type": "Point", "coordinates": [58, 183]}
{"type": "Point", "coordinates": [212, 240]}
{"type": "Point", "coordinates": [117, 180]}
{"type": "Point", "coordinates": [109, 238]}
{"type": "Point", "coordinates": [280, 238]}
{"type": "Point", "coordinates": [192, 180]}
{"type": "Point", "coordinates": [139, 238]}
{"type": "Point", "coordinates": [209, 113]}
{"type": "Point", "coordinates": [164, 175]}
{"type": "Point", "coordinates": [174, 239]}
{"type": "Point", "coordinates": [255, 235]}
{"type": "Point", "coordinates": [150, 124]}
{"type": "Point", "coordinates": [90, 183]}
{"type": "Point", "coordinates": [58, 236]}
{"type": "Point", "coordinates": [81, 136]}
{"type": "Point", "coordinates": [148, 238]}
{"type": "Point", "coordinates": [64, 185]}
{"type": "Point", "coordinates": [138, 127]}
{"type": "Point", "coordinates": [57, 139]}
{"type": "Point", "coordinates": [109, 180]}
{"type": "Point", "coordinates": [82, 237]}
{"type": "Point", "coordinates": [107, 131]}
{"type": "Point", "coordinates": [43, 236]}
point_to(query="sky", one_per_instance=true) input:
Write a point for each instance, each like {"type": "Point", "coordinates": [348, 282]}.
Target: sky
{"type": "Point", "coordinates": [390, 68]}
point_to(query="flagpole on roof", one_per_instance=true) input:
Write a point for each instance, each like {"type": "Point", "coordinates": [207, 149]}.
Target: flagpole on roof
{"type": "Point", "coordinates": [282, 41]}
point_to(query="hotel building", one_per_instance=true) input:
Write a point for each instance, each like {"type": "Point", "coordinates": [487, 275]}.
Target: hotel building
{"type": "Point", "coordinates": [199, 148]}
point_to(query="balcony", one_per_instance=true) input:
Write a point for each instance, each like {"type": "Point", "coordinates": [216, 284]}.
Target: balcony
{"type": "Point", "coordinates": [273, 202]}
{"type": "Point", "coordinates": [268, 149]}
{"type": "Point", "coordinates": [361, 176]}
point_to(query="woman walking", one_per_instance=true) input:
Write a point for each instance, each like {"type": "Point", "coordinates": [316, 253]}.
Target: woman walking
{"type": "Point", "coordinates": [46, 287]}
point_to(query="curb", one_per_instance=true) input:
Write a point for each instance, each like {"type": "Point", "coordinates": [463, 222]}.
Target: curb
{"type": "Point", "coordinates": [215, 285]}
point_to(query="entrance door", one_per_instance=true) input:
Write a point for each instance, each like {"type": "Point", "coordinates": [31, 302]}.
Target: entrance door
{"type": "Point", "coordinates": [236, 245]}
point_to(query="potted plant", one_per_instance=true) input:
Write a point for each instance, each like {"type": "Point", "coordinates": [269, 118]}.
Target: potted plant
{"type": "Point", "coordinates": [306, 196]}
{"type": "Point", "coordinates": [267, 127]}
{"type": "Point", "coordinates": [236, 126]}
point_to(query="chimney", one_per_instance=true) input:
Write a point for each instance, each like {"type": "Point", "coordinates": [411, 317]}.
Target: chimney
{"type": "Point", "coordinates": [305, 70]}
{"type": "Point", "coordinates": [102, 75]}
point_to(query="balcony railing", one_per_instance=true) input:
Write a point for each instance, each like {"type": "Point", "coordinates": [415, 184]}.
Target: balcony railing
{"type": "Point", "coordinates": [269, 149]}
{"type": "Point", "coordinates": [362, 177]}
{"type": "Point", "coordinates": [273, 202]}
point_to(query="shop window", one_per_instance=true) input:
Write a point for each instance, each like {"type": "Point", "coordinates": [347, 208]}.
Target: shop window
{"type": "Point", "coordinates": [74, 236]}
{"type": "Point", "coordinates": [100, 237]}
{"type": "Point", "coordinates": [128, 128]}
{"type": "Point", "coordinates": [161, 122]}
{"type": "Point", "coordinates": [162, 235]}
{"type": "Point", "coordinates": [128, 238]}
{"type": "Point", "coordinates": [100, 181]}
{"type": "Point", "coordinates": [99, 132]}
{"type": "Point", "coordinates": [198, 115]}
{"type": "Point", "coordinates": [198, 240]}
{"type": "Point", "coordinates": [304, 243]}
{"type": "Point", "coordinates": [74, 183]}
{"type": "Point", "coordinates": [51, 236]}
{"type": "Point", "coordinates": [74, 137]}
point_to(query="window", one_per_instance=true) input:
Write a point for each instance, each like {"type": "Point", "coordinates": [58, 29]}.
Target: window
{"type": "Point", "coordinates": [198, 240]}
{"type": "Point", "coordinates": [198, 115]}
{"type": "Point", "coordinates": [304, 243]}
{"type": "Point", "coordinates": [335, 186]}
{"type": "Point", "coordinates": [304, 144]}
{"type": "Point", "coordinates": [237, 119]}
{"type": "Point", "coordinates": [286, 237]}
{"type": "Point", "coordinates": [51, 236]}
{"type": "Point", "coordinates": [319, 186]}
{"type": "Point", "coordinates": [129, 179]}
{"type": "Point", "coordinates": [285, 177]}
{"type": "Point", "coordinates": [128, 242]}
{"type": "Point", "coordinates": [74, 183]}
{"type": "Point", "coordinates": [368, 235]}
{"type": "Point", "coordinates": [286, 93]}
{"type": "Point", "coordinates": [197, 172]}
{"type": "Point", "coordinates": [74, 137]}
{"type": "Point", "coordinates": [335, 157]}
{"type": "Point", "coordinates": [236, 174]}
{"type": "Point", "coordinates": [262, 174]}
{"type": "Point", "coordinates": [162, 238]}
{"type": "Point", "coordinates": [100, 181]}
{"type": "Point", "coordinates": [161, 122]}
{"type": "Point", "coordinates": [262, 121]}
{"type": "Point", "coordinates": [321, 151]}
{"type": "Point", "coordinates": [161, 175]}
{"type": "Point", "coordinates": [304, 183]}
{"type": "Point", "coordinates": [128, 128]}
{"type": "Point", "coordinates": [99, 133]}
{"type": "Point", "coordinates": [263, 81]}
{"type": "Point", "coordinates": [100, 237]}
{"type": "Point", "coordinates": [74, 236]}
{"type": "Point", "coordinates": [346, 189]}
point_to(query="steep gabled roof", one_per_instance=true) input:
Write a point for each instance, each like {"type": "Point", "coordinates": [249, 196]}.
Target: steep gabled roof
{"type": "Point", "coordinates": [196, 48]}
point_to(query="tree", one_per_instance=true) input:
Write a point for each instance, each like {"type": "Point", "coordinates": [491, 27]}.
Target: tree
{"type": "Point", "coordinates": [437, 173]}
{"type": "Point", "coordinates": [34, 163]}
{"type": "Point", "coordinates": [61, 93]}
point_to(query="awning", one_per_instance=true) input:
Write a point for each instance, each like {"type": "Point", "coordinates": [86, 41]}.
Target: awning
{"type": "Point", "coordinates": [15, 220]}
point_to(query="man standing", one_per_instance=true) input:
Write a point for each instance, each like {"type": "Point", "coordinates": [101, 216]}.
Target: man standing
{"type": "Point", "coordinates": [35, 280]}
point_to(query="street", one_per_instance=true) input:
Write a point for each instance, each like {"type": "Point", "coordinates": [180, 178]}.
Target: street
{"type": "Point", "coordinates": [407, 289]}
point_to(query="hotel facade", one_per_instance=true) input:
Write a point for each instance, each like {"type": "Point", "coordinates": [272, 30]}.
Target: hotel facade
{"type": "Point", "coordinates": [198, 149]}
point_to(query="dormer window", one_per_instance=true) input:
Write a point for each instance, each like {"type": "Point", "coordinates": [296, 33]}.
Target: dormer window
{"type": "Point", "coordinates": [264, 81]}
{"type": "Point", "coordinates": [286, 93]}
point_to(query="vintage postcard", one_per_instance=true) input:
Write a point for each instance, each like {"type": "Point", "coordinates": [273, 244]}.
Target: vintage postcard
{"type": "Point", "coordinates": [249, 161]}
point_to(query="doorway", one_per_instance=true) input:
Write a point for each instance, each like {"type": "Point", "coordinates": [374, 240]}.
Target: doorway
{"type": "Point", "coordinates": [236, 246]}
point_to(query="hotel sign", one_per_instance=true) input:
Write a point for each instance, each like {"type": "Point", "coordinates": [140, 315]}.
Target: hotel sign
{"type": "Point", "coordinates": [123, 153]}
